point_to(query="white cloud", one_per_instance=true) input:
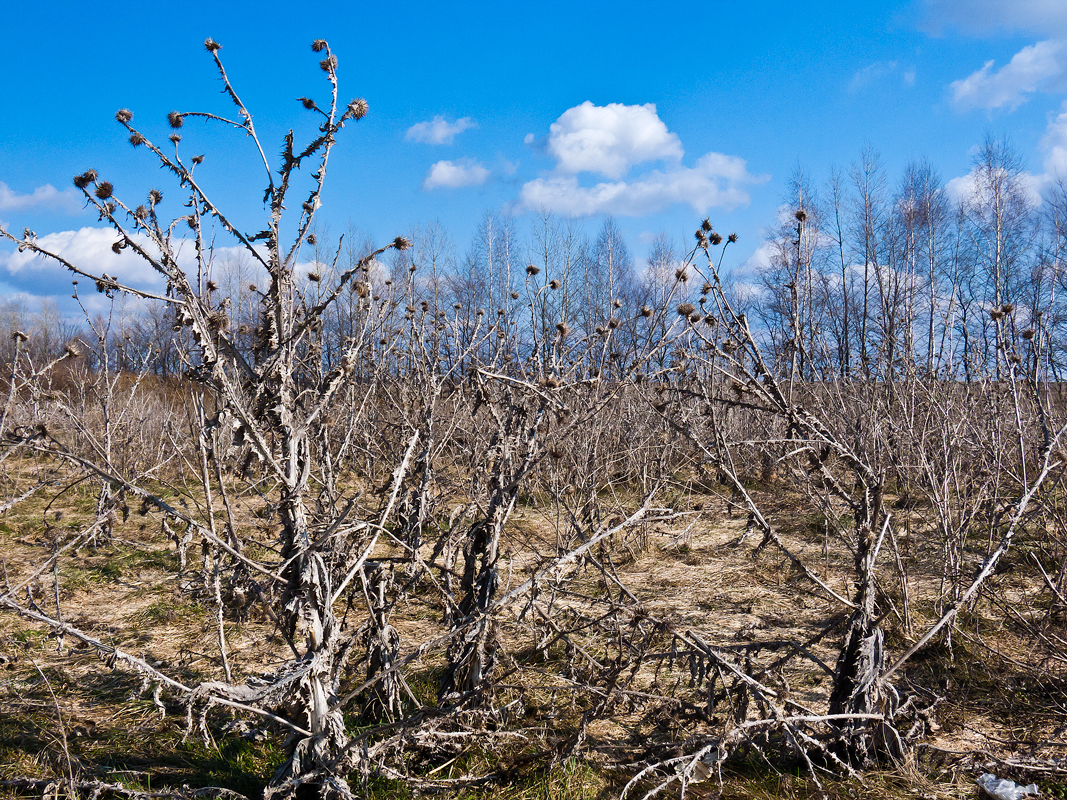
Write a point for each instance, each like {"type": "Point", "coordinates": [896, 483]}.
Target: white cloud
{"type": "Point", "coordinates": [1054, 146]}
{"type": "Point", "coordinates": [89, 249]}
{"type": "Point", "coordinates": [454, 174]}
{"type": "Point", "coordinates": [716, 181]}
{"type": "Point", "coordinates": [439, 130]}
{"type": "Point", "coordinates": [1041, 66]}
{"type": "Point", "coordinates": [871, 73]}
{"type": "Point", "coordinates": [982, 17]}
{"type": "Point", "coordinates": [966, 187]}
{"type": "Point", "coordinates": [45, 198]}
{"type": "Point", "coordinates": [610, 139]}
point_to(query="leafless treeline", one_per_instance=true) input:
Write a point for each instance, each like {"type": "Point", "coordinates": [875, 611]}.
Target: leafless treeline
{"type": "Point", "coordinates": [332, 441]}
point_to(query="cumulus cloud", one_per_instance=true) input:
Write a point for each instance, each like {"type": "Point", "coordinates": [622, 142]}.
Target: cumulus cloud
{"type": "Point", "coordinates": [43, 198]}
{"type": "Point", "coordinates": [717, 181]}
{"type": "Point", "coordinates": [610, 139]}
{"type": "Point", "coordinates": [88, 249]}
{"type": "Point", "coordinates": [982, 17]}
{"type": "Point", "coordinates": [1041, 66]}
{"type": "Point", "coordinates": [439, 130]}
{"type": "Point", "coordinates": [454, 174]}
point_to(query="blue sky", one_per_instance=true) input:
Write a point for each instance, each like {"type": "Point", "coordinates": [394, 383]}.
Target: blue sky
{"type": "Point", "coordinates": [657, 114]}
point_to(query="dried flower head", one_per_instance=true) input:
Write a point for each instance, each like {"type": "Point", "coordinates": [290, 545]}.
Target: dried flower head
{"type": "Point", "coordinates": [715, 238]}
{"type": "Point", "coordinates": [681, 275]}
{"type": "Point", "coordinates": [314, 277]}
{"type": "Point", "coordinates": [554, 284]}
{"type": "Point", "coordinates": [175, 119]}
{"type": "Point", "coordinates": [1007, 308]}
{"type": "Point", "coordinates": [532, 269]}
{"type": "Point", "coordinates": [457, 306]}
{"type": "Point", "coordinates": [198, 159]}
{"type": "Point", "coordinates": [329, 64]}
{"type": "Point", "coordinates": [801, 215]}
{"type": "Point", "coordinates": [124, 115]}
{"type": "Point", "coordinates": [685, 309]}
{"type": "Point", "coordinates": [706, 225]}
{"type": "Point", "coordinates": [731, 238]}
{"type": "Point", "coordinates": [646, 311]}
{"type": "Point", "coordinates": [118, 246]}
{"type": "Point", "coordinates": [996, 314]}
{"type": "Point", "coordinates": [211, 45]}
{"type": "Point", "coordinates": [155, 197]}
{"type": "Point", "coordinates": [563, 328]}
{"type": "Point", "coordinates": [174, 138]}
{"type": "Point", "coordinates": [71, 350]}
{"type": "Point", "coordinates": [514, 295]}
{"type": "Point", "coordinates": [136, 139]}
{"type": "Point", "coordinates": [1028, 334]}
{"type": "Point", "coordinates": [358, 108]}
{"type": "Point", "coordinates": [19, 336]}
{"type": "Point", "coordinates": [140, 212]}
{"type": "Point", "coordinates": [613, 323]}
{"type": "Point", "coordinates": [362, 288]}
{"type": "Point", "coordinates": [318, 45]}
{"type": "Point", "coordinates": [616, 303]}
{"type": "Point", "coordinates": [400, 243]}
{"type": "Point", "coordinates": [212, 286]}
{"type": "Point", "coordinates": [83, 180]}
{"type": "Point", "coordinates": [104, 190]}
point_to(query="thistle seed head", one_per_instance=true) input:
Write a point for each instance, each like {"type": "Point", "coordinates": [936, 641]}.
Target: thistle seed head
{"type": "Point", "coordinates": [1028, 334]}
{"type": "Point", "coordinates": [715, 238]}
{"type": "Point", "coordinates": [532, 269]}
{"type": "Point", "coordinates": [681, 275]}
{"type": "Point", "coordinates": [136, 139]}
{"type": "Point", "coordinates": [554, 284]}
{"type": "Point", "coordinates": [329, 64]}
{"type": "Point", "coordinates": [155, 197]}
{"type": "Point", "coordinates": [318, 45]}
{"type": "Point", "coordinates": [124, 115]}
{"type": "Point", "coordinates": [104, 190]}
{"type": "Point", "coordinates": [211, 45]}
{"type": "Point", "coordinates": [314, 277]}
{"type": "Point", "coordinates": [801, 215]}
{"type": "Point", "coordinates": [19, 336]}
{"type": "Point", "coordinates": [706, 225]}
{"type": "Point", "coordinates": [646, 311]}
{"type": "Point", "coordinates": [686, 309]}
{"type": "Point", "coordinates": [400, 243]}
{"type": "Point", "coordinates": [731, 238]}
{"type": "Point", "coordinates": [83, 180]}
{"type": "Point", "coordinates": [563, 328]}
{"type": "Point", "coordinates": [198, 159]}
{"type": "Point", "coordinates": [358, 108]}
{"type": "Point", "coordinates": [175, 119]}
